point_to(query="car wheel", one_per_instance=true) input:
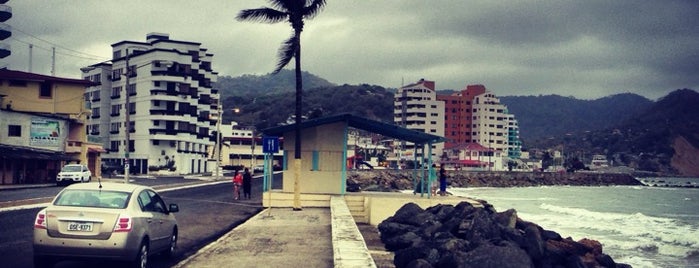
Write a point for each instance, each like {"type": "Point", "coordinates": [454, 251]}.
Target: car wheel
{"type": "Point", "coordinates": [89, 179]}
{"type": "Point", "coordinates": [43, 262]}
{"type": "Point", "coordinates": [141, 260]}
{"type": "Point", "coordinates": [173, 245]}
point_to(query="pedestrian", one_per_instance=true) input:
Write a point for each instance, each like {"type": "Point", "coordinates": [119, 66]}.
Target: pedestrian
{"type": "Point", "coordinates": [442, 180]}
{"type": "Point", "coordinates": [237, 182]}
{"type": "Point", "coordinates": [434, 183]}
{"type": "Point", "coordinates": [247, 183]}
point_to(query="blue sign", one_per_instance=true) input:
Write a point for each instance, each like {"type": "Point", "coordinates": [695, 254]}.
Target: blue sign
{"type": "Point", "coordinates": [270, 144]}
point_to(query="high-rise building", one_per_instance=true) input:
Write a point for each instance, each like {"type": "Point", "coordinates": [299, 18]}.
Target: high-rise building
{"type": "Point", "coordinates": [458, 115]}
{"type": "Point", "coordinates": [416, 107]}
{"type": "Point", "coordinates": [172, 106]}
{"type": "Point", "coordinates": [5, 29]}
{"type": "Point", "coordinates": [475, 115]}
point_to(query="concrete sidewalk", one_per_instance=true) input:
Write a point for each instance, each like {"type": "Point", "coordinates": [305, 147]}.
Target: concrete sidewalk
{"type": "Point", "coordinates": [276, 237]}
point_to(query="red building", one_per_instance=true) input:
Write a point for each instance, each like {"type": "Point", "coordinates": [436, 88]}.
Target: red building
{"type": "Point", "coordinates": [458, 115]}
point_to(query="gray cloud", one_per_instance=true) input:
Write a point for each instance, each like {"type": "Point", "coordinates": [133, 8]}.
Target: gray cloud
{"type": "Point", "coordinates": [586, 49]}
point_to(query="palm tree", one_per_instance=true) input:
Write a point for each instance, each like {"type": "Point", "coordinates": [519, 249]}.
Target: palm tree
{"type": "Point", "coordinates": [293, 11]}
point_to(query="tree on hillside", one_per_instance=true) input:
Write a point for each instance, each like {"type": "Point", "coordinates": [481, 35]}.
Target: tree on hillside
{"type": "Point", "coordinates": [293, 11]}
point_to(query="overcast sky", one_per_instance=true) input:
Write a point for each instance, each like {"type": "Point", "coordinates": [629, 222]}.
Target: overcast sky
{"type": "Point", "coordinates": [586, 49]}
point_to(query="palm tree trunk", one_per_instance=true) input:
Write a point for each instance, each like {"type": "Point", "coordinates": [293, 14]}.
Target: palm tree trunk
{"type": "Point", "coordinates": [297, 141]}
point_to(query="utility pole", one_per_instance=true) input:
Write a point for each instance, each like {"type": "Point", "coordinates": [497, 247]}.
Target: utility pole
{"type": "Point", "coordinates": [252, 148]}
{"type": "Point", "coordinates": [218, 139]}
{"type": "Point", "coordinates": [127, 119]}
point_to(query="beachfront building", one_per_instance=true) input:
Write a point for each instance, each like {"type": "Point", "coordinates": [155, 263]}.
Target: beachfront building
{"type": "Point", "coordinates": [172, 106]}
{"type": "Point", "coordinates": [458, 115]}
{"type": "Point", "coordinates": [42, 127]}
{"type": "Point", "coordinates": [473, 156]}
{"type": "Point", "coordinates": [475, 115]}
{"type": "Point", "coordinates": [416, 107]}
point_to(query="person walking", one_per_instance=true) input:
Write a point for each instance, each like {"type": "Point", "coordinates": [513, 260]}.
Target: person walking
{"type": "Point", "coordinates": [247, 183]}
{"type": "Point", "coordinates": [442, 180]}
{"type": "Point", "coordinates": [237, 182]}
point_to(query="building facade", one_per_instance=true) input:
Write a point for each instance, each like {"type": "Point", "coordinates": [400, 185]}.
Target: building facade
{"type": "Point", "coordinates": [416, 107]}
{"type": "Point", "coordinates": [458, 115]}
{"type": "Point", "coordinates": [42, 127]}
{"type": "Point", "coordinates": [475, 115]}
{"type": "Point", "coordinates": [172, 106]}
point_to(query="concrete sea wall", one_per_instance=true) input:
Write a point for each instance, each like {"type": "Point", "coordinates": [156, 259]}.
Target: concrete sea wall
{"type": "Point", "coordinates": [394, 180]}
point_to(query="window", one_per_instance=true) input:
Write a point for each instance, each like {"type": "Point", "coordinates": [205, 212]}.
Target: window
{"type": "Point", "coordinates": [131, 89]}
{"type": "Point", "coordinates": [14, 131]}
{"type": "Point", "coordinates": [115, 109]}
{"type": "Point", "coordinates": [116, 92]}
{"type": "Point", "coordinates": [132, 108]}
{"type": "Point", "coordinates": [95, 112]}
{"type": "Point", "coordinates": [114, 146]}
{"type": "Point", "coordinates": [114, 127]}
{"type": "Point", "coordinates": [116, 74]}
{"type": "Point", "coordinates": [45, 90]}
{"type": "Point", "coordinates": [150, 201]}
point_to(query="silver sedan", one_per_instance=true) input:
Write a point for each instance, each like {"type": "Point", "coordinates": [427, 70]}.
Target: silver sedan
{"type": "Point", "coordinates": [114, 221]}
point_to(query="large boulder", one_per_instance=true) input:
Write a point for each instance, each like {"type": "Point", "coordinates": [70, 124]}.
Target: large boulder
{"type": "Point", "coordinates": [468, 236]}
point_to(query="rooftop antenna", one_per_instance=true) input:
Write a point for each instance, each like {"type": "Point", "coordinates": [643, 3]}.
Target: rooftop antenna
{"type": "Point", "coordinates": [31, 55]}
{"type": "Point", "coordinates": [53, 61]}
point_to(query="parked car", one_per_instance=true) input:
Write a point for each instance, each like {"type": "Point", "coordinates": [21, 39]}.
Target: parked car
{"type": "Point", "coordinates": [112, 221]}
{"type": "Point", "coordinates": [73, 173]}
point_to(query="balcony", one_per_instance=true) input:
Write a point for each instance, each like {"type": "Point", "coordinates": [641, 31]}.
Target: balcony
{"type": "Point", "coordinates": [5, 31]}
{"type": "Point", "coordinates": [5, 12]}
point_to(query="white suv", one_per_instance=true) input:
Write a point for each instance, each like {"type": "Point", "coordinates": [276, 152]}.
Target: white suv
{"type": "Point", "coordinates": [73, 173]}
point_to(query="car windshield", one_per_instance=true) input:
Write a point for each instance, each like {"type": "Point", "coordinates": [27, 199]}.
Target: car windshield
{"type": "Point", "coordinates": [71, 169]}
{"type": "Point", "coordinates": [93, 198]}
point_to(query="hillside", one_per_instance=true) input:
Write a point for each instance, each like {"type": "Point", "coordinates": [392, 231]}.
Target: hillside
{"type": "Point", "coordinates": [631, 130]}
{"type": "Point", "coordinates": [542, 117]}
{"type": "Point", "coordinates": [269, 84]}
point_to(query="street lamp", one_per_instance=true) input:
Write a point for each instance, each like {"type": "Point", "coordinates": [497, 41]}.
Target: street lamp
{"type": "Point", "coordinates": [218, 139]}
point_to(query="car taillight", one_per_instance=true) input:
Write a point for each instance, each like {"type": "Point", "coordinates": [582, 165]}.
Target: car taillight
{"type": "Point", "coordinates": [40, 222]}
{"type": "Point", "coordinates": [123, 224]}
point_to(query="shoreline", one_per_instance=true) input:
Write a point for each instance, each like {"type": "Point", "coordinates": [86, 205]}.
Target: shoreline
{"type": "Point", "coordinates": [400, 180]}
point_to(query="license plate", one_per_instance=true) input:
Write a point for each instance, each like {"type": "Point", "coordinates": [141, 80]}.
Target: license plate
{"type": "Point", "coordinates": [80, 226]}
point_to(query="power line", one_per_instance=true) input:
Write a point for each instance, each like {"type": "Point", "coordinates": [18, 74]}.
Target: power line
{"type": "Point", "coordinates": [79, 53]}
{"type": "Point", "coordinates": [57, 52]}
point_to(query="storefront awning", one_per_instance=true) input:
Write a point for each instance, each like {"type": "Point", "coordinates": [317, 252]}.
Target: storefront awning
{"type": "Point", "coordinates": [19, 152]}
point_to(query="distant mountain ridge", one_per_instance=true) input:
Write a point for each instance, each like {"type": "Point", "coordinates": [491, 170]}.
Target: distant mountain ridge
{"type": "Point", "coordinates": [542, 117]}
{"type": "Point", "coordinates": [628, 128]}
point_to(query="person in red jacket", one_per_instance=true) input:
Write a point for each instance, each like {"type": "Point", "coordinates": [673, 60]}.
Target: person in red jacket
{"type": "Point", "coordinates": [237, 183]}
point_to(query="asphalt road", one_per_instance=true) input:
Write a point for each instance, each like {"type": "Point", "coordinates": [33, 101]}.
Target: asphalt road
{"type": "Point", "coordinates": [206, 212]}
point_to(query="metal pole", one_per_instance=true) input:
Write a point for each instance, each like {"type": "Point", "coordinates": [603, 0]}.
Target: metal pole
{"type": "Point", "coordinates": [127, 119]}
{"type": "Point", "coordinates": [218, 139]}
{"type": "Point", "coordinates": [252, 148]}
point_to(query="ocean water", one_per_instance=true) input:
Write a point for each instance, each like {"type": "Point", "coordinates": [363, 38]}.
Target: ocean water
{"type": "Point", "coordinates": [639, 225]}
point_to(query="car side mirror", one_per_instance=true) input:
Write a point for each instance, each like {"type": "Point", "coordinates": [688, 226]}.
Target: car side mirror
{"type": "Point", "coordinates": [174, 208]}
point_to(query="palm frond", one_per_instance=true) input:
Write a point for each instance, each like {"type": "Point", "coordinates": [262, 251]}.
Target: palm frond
{"type": "Point", "coordinates": [265, 14]}
{"type": "Point", "coordinates": [313, 9]}
{"type": "Point", "coordinates": [286, 52]}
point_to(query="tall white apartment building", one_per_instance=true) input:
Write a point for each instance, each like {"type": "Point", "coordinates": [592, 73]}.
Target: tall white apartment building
{"type": "Point", "coordinates": [493, 126]}
{"type": "Point", "coordinates": [416, 107]}
{"type": "Point", "coordinates": [173, 107]}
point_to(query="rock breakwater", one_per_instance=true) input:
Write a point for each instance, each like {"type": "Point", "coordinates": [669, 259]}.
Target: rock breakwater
{"type": "Point", "coordinates": [396, 180]}
{"type": "Point", "coordinates": [467, 236]}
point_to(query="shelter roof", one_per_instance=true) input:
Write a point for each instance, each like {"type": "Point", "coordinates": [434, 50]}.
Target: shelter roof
{"type": "Point", "coordinates": [385, 129]}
